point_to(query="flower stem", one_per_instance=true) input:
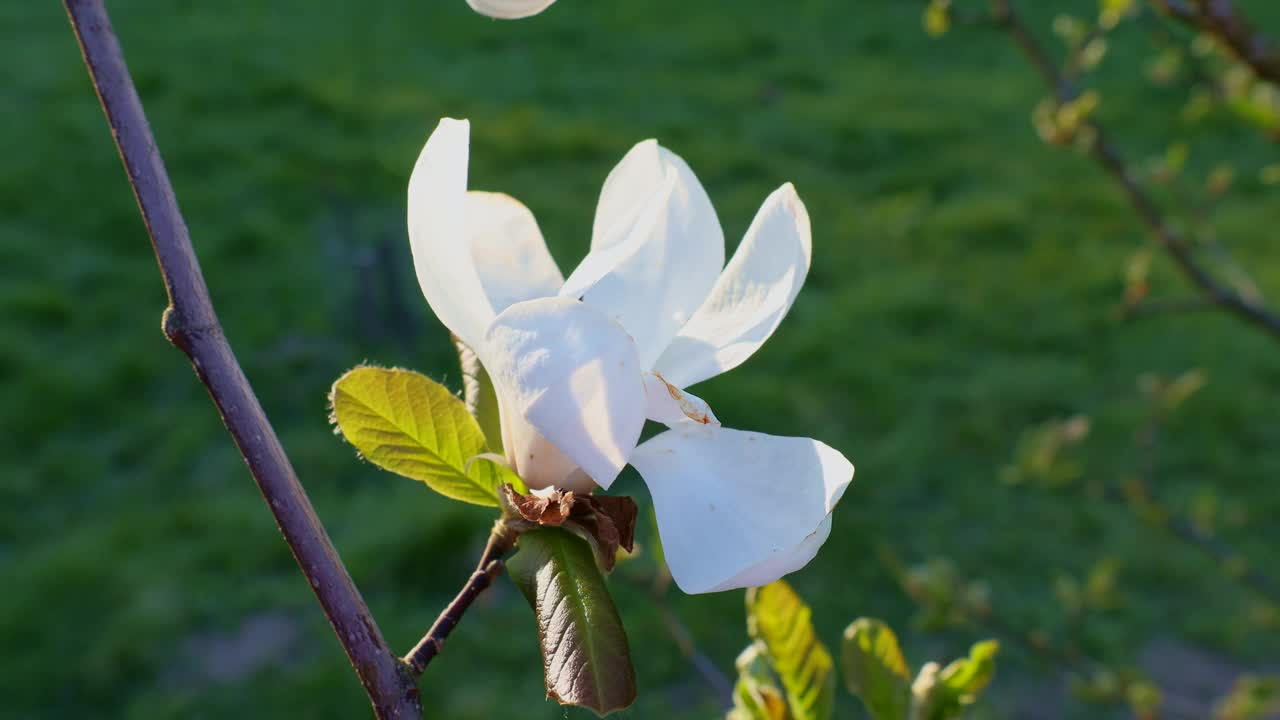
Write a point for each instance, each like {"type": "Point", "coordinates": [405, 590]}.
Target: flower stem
{"type": "Point", "coordinates": [501, 540]}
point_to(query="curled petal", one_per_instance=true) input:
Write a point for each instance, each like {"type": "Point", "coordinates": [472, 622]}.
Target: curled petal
{"type": "Point", "coordinates": [751, 297]}
{"type": "Point", "coordinates": [438, 233]}
{"type": "Point", "coordinates": [670, 405]}
{"type": "Point", "coordinates": [739, 508]}
{"type": "Point", "coordinates": [509, 9]}
{"type": "Point", "coordinates": [567, 379]}
{"type": "Point", "coordinates": [510, 256]}
{"type": "Point", "coordinates": [656, 248]}
{"type": "Point", "coordinates": [782, 563]}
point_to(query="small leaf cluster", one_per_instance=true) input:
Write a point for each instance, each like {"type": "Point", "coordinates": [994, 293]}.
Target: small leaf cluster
{"type": "Point", "coordinates": [786, 647]}
{"type": "Point", "coordinates": [1105, 686]}
{"type": "Point", "coordinates": [788, 674]}
{"type": "Point", "coordinates": [1253, 697]}
{"type": "Point", "coordinates": [1045, 454]}
{"type": "Point", "coordinates": [946, 597]}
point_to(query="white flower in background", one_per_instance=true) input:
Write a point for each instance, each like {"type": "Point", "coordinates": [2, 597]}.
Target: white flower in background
{"type": "Point", "coordinates": [579, 364]}
{"type": "Point", "coordinates": [509, 9]}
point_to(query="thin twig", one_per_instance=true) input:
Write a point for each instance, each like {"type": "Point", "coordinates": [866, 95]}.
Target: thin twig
{"type": "Point", "coordinates": [1068, 658]}
{"type": "Point", "coordinates": [501, 540]}
{"type": "Point", "coordinates": [191, 324]}
{"type": "Point", "coordinates": [1111, 161]}
{"type": "Point", "coordinates": [1224, 21]}
{"type": "Point", "coordinates": [1169, 306]}
{"type": "Point", "coordinates": [705, 667]}
{"type": "Point", "coordinates": [1158, 27]}
{"type": "Point", "coordinates": [682, 637]}
{"type": "Point", "coordinates": [1228, 559]}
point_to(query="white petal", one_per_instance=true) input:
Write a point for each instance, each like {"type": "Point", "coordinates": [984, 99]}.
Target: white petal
{"type": "Point", "coordinates": [656, 248]}
{"type": "Point", "coordinates": [510, 255]}
{"type": "Point", "coordinates": [737, 508]}
{"type": "Point", "coordinates": [781, 564]}
{"type": "Point", "coordinates": [751, 297]}
{"type": "Point", "coordinates": [573, 376]}
{"type": "Point", "coordinates": [671, 406]}
{"type": "Point", "coordinates": [438, 233]}
{"type": "Point", "coordinates": [509, 9]}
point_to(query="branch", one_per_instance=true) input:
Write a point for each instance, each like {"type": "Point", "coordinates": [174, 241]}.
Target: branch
{"type": "Point", "coordinates": [1111, 161]}
{"type": "Point", "coordinates": [489, 567]}
{"type": "Point", "coordinates": [191, 324]}
{"type": "Point", "coordinates": [1231, 562]}
{"type": "Point", "coordinates": [1170, 306]}
{"type": "Point", "coordinates": [719, 683]}
{"type": "Point", "coordinates": [1222, 20]}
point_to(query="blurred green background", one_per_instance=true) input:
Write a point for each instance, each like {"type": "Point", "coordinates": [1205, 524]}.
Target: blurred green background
{"type": "Point", "coordinates": [965, 287]}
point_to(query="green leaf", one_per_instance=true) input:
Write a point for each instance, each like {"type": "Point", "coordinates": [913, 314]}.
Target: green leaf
{"type": "Point", "coordinates": [756, 695]}
{"type": "Point", "coordinates": [966, 678]}
{"type": "Point", "coordinates": [585, 654]}
{"type": "Point", "coordinates": [1252, 697]}
{"type": "Point", "coordinates": [944, 694]}
{"type": "Point", "coordinates": [407, 423]}
{"type": "Point", "coordinates": [780, 620]}
{"type": "Point", "coordinates": [875, 670]}
{"type": "Point", "coordinates": [937, 17]}
{"type": "Point", "coordinates": [479, 395]}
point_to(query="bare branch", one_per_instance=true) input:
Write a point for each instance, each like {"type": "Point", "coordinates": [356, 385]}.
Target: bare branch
{"type": "Point", "coordinates": [501, 540]}
{"type": "Point", "coordinates": [1229, 560]}
{"type": "Point", "coordinates": [705, 667]}
{"type": "Point", "coordinates": [1171, 306]}
{"type": "Point", "coordinates": [191, 324]}
{"type": "Point", "coordinates": [1224, 21]}
{"type": "Point", "coordinates": [1106, 155]}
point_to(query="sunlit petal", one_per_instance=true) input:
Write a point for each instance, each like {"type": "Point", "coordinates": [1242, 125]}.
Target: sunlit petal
{"type": "Point", "coordinates": [671, 406]}
{"type": "Point", "coordinates": [736, 507]}
{"type": "Point", "coordinates": [565, 373]}
{"type": "Point", "coordinates": [782, 563]}
{"type": "Point", "coordinates": [751, 297]}
{"type": "Point", "coordinates": [438, 233]}
{"type": "Point", "coordinates": [510, 255]}
{"type": "Point", "coordinates": [509, 9]}
{"type": "Point", "coordinates": [656, 248]}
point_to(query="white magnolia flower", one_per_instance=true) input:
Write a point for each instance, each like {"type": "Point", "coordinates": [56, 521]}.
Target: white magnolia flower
{"type": "Point", "coordinates": [579, 364]}
{"type": "Point", "coordinates": [509, 9]}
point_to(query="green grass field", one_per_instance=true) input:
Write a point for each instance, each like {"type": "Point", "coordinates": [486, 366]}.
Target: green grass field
{"type": "Point", "coordinates": [965, 284]}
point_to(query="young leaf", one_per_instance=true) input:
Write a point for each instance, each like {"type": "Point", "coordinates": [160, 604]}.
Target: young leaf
{"type": "Point", "coordinates": [944, 694]}
{"type": "Point", "coordinates": [1253, 697]}
{"type": "Point", "coordinates": [756, 695]}
{"type": "Point", "coordinates": [875, 670]}
{"type": "Point", "coordinates": [780, 620]}
{"type": "Point", "coordinates": [585, 655]}
{"type": "Point", "coordinates": [966, 678]}
{"type": "Point", "coordinates": [413, 426]}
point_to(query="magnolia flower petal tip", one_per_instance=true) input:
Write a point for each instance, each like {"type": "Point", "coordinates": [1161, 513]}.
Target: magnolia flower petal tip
{"type": "Point", "coordinates": [656, 248]}
{"type": "Point", "coordinates": [509, 9]}
{"type": "Point", "coordinates": [750, 298]}
{"type": "Point", "coordinates": [508, 250]}
{"type": "Point", "coordinates": [780, 564]}
{"type": "Point", "coordinates": [437, 222]}
{"type": "Point", "coordinates": [672, 406]}
{"type": "Point", "coordinates": [737, 509]}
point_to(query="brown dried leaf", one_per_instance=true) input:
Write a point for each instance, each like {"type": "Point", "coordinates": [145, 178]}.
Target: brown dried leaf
{"type": "Point", "coordinates": [551, 509]}
{"type": "Point", "coordinates": [607, 522]}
